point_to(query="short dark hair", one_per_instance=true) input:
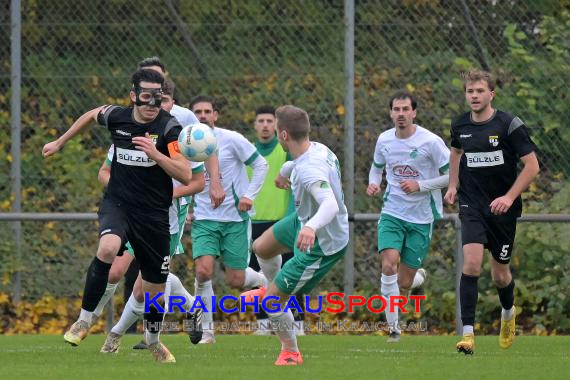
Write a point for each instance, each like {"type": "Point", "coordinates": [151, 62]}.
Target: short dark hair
{"type": "Point", "coordinates": [152, 61]}
{"type": "Point", "coordinates": [475, 75]}
{"type": "Point", "coordinates": [168, 87]}
{"type": "Point", "coordinates": [204, 99]}
{"type": "Point", "coordinates": [294, 120]}
{"type": "Point", "coordinates": [402, 95]}
{"type": "Point", "coordinates": [142, 75]}
{"type": "Point", "coordinates": [265, 109]}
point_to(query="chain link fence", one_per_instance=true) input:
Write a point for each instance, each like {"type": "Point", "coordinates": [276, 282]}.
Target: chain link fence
{"type": "Point", "coordinates": [80, 54]}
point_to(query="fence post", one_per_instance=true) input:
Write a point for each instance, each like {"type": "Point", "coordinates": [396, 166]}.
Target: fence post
{"type": "Point", "coordinates": [15, 150]}
{"type": "Point", "coordinates": [458, 271]}
{"type": "Point", "coordinates": [349, 139]}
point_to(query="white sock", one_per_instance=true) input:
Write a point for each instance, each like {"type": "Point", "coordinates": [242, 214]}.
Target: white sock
{"type": "Point", "coordinates": [109, 291]}
{"type": "Point", "coordinates": [167, 292]}
{"type": "Point", "coordinates": [418, 280]}
{"type": "Point", "coordinates": [263, 324]}
{"type": "Point", "coordinates": [507, 315]}
{"type": "Point", "coordinates": [177, 289]}
{"type": "Point", "coordinates": [133, 311]}
{"type": "Point", "coordinates": [270, 267]}
{"type": "Point", "coordinates": [299, 328]}
{"type": "Point", "coordinates": [206, 292]}
{"type": "Point", "coordinates": [389, 287]}
{"type": "Point", "coordinates": [86, 316]}
{"type": "Point", "coordinates": [253, 279]}
{"type": "Point", "coordinates": [151, 338]}
{"type": "Point", "coordinates": [467, 329]}
{"type": "Point", "coordinates": [285, 331]}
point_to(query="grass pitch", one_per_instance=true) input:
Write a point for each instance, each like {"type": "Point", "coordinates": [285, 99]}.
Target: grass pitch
{"type": "Point", "coordinates": [252, 357]}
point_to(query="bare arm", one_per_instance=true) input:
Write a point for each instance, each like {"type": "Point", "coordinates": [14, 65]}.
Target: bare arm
{"type": "Point", "coordinates": [217, 194]}
{"type": "Point", "coordinates": [83, 121]}
{"type": "Point", "coordinates": [454, 160]}
{"type": "Point", "coordinates": [104, 174]}
{"type": "Point", "coordinates": [530, 170]}
{"type": "Point", "coordinates": [176, 167]}
{"type": "Point", "coordinates": [196, 185]}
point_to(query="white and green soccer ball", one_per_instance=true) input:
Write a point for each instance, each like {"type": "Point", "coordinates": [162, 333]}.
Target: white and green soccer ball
{"type": "Point", "coordinates": [197, 142]}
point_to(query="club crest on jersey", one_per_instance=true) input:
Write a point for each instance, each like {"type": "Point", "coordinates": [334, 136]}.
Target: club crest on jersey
{"type": "Point", "coordinates": [154, 138]}
{"type": "Point", "coordinates": [494, 140]}
{"type": "Point", "coordinates": [414, 153]}
{"type": "Point", "coordinates": [405, 171]}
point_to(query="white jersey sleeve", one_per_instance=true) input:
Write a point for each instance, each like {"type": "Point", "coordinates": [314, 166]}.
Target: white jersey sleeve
{"type": "Point", "coordinates": [110, 154]}
{"type": "Point", "coordinates": [243, 149]}
{"type": "Point", "coordinates": [234, 153]}
{"type": "Point", "coordinates": [319, 166]}
{"type": "Point", "coordinates": [183, 115]}
{"type": "Point", "coordinates": [379, 158]}
{"type": "Point", "coordinates": [440, 154]}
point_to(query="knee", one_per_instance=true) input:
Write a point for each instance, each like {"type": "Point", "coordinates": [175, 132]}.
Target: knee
{"type": "Point", "coordinates": [107, 253]}
{"type": "Point", "coordinates": [204, 273]}
{"type": "Point", "coordinates": [115, 275]}
{"type": "Point", "coordinates": [471, 267]}
{"type": "Point", "coordinates": [235, 280]}
{"type": "Point", "coordinates": [256, 249]}
{"type": "Point", "coordinates": [404, 284]}
{"type": "Point", "coordinates": [389, 268]}
{"type": "Point", "coordinates": [501, 280]}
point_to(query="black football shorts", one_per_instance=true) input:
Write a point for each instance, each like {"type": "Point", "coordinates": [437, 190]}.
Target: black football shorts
{"type": "Point", "coordinates": [495, 232]}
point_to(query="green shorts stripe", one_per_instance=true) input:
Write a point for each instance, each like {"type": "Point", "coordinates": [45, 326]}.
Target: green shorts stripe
{"type": "Point", "coordinates": [305, 270]}
{"type": "Point", "coordinates": [182, 214]}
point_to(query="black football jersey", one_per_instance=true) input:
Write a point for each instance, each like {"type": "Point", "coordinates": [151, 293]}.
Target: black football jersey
{"type": "Point", "coordinates": [136, 180]}
{"type": "Point", "coordinates": [488, 166]}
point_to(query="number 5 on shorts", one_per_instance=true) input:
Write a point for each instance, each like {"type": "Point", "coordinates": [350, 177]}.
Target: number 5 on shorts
{"type": "Point", "coordinates": [505, 250]}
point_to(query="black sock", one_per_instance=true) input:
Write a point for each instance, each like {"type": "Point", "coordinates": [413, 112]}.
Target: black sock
{"type": "Point", "coordinates": [468, 298]}
{"type": "Point", "coordinates": [95, 284]}
{"type": "Point", "coordinates": [507, 295]}
{"type": "Point", "coordinates": [153, 319]}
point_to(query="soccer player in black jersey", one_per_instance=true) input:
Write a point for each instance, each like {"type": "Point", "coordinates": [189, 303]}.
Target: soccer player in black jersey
{"type": "Point", "coordinates": [135, 205]}
{"type": "Point", "coordinates": [486, 146]}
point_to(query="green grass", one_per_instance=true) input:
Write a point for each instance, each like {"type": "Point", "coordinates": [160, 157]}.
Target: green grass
{"type": "Point", "coordinates": [241, 357]}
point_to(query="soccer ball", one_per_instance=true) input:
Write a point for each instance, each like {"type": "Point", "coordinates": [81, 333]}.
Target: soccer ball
{"type": "Point", "coordinates": [197, 142]}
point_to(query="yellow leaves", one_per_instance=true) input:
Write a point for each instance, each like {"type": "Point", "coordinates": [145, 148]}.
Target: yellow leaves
{"type": "Point", "coordinates": [533, 188]}
{"type": "Point", "coordinates": [340, 110]}
{"type": "Point", "coordinates": [48, 315]}
{"type": "Point", "coordinates": [249, 117]}
{"type": "Point", "coordinates": [28, 192]}
{"type": "Point", "coordinates": [410, 87]}
{"type": "Point", "coordinates": [270, 82]}
{"type": "Point", "coordinates": [9, 158]}
{"type": "Point", "coordinates": [6, 205]}
{"type": "Point", "coordinates": [53, 326]}
{"type": "Point", "coordinates": [5, 278]}
{"type": "Point", "coordinates": [4, 298]}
